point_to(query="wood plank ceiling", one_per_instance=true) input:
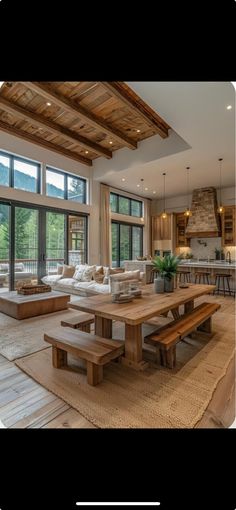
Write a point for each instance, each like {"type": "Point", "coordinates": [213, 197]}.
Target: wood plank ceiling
{"type": "Point", "coordinates": [80, 120]}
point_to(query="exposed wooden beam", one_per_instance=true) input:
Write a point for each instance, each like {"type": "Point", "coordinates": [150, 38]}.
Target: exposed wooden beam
{"type": "Point", "coordinates": [40, 121]}
{"type": "Point", "coordinates": [135, 103]}
{"type": "Point", "coordinates": [85, 115]}
{"type": "Point", "coordinates": [43, 143]}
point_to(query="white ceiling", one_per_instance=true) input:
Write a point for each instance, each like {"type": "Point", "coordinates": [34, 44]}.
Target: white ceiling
{"type": "Point", "coordinates": [202, 131]}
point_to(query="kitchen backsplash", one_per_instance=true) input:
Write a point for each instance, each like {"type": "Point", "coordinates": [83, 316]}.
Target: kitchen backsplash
{"type": "Point", "coordinates": [202, 251]}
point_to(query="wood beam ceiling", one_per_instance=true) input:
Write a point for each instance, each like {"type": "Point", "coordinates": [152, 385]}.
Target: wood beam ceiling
{"type": "Point", "coordinates": [135, 103]}
{"type": "Point", "coordinates": [43, 143]}
{"type": "Point", "coordinates": [40, 121]}
{"type": "Point", "coordinates": [85, 115]}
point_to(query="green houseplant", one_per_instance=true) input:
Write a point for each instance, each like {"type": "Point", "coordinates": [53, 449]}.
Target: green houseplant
{"type": "Point", "coordinates": [167, 268]}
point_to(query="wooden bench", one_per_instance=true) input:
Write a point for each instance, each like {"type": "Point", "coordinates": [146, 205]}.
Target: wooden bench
{"type": "Point", "coordinates": [95, 350]}
{"type": "Point", "coordinates": [166, 338]}
{"type": "Point", "coordinates": [82, 322]}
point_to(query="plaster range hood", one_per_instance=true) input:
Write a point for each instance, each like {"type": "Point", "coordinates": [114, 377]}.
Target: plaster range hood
{"type": "Point", "coordinates": [204, 221]}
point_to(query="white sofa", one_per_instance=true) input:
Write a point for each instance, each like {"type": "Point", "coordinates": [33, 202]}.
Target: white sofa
{"type": "Point", "coordinates": [84, 288]}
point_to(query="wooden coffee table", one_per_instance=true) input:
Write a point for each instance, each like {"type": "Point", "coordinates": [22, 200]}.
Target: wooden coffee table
{"type": "Point", "coordinates": [23, 307]}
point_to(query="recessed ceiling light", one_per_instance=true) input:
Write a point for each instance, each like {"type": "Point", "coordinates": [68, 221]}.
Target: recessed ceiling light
{"type": "Point", "coordinates": [138, 130]}
{"type": "Point", "coordinates": [154, 192]}
{"type": "Point", "coordinates": [229, 107]}
{"type": "Point", "coordinates": [49, 104]}
{"type": "Point", "coordinates": [110, 142]}
{"type": "Point", "coordinates": [146, 189]}
{"type": "Point", "coordinates": [138, 185]}
{"type": "Point", "coordinates": [123, 179]}
{"type": "Point", "coordinates": [1, 83]}
{"type": "Point", "coordinates": [86, 152]}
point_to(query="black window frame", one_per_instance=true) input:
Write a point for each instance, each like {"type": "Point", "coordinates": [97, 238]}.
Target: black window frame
{"type": "Point", "coordinates": [66, 176]}
{"type": "Point", "coordinates": [118, 196]}
{"type": "Point", "coordinates": [119, 223]}
{"type": "Point", "coordinates": [12, 158]}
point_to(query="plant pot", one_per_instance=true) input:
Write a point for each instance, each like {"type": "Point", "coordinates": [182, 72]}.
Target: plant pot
{"type": "Point", "coordinates": [159, 285]}
{"type": "Point", "coordinates": [169, 285]}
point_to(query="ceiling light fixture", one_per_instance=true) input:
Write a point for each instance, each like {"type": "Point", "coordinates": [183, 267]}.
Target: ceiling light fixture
{"type": "Point", "coordinates": [154, 192]}
{"type": "Point", "coordinates": [123, 179]}
{"type": "Point", "coordinates": [220, 209]}
{"type": "Point", "coordinates": [49, 104]}
{"type": "Point", "coordinates": [142, 218]}
{"type": "Point", "coordinates": [146, 189]}
{"type": "Point", "coordinates": [138, 130]}
{"type": "Point", "coordinates": [164, 215]}
{"type": "Point", "coordinates": [188, 212]}
{"type": "Point", "coordinates": [229, 107]}
{"type": "Point", "coordinates": [138, 185]}
{"type": "Point", "coordinates": [86, 152]}
{"type": "Point", "coordinates": [110, 142]}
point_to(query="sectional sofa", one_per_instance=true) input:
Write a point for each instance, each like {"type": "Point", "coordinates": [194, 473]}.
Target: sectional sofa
{"type": "Point", "coordinates": [85, 280]}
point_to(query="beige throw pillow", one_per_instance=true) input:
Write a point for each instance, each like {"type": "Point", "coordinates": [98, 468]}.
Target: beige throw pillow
{"type": "Point", "coordinates": [68, 271]}
{"type": "Point", "coordinates": [59, 268]}
{"type": "Point", "coordinates": [99, 275]}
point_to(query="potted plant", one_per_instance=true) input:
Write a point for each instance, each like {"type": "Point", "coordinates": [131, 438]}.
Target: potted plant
{"type": "Point", "coordinates": [167, 268]}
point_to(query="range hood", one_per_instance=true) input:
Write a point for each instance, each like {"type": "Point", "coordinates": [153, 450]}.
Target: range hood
{"type": "Point", "coordinates": [204, 221]}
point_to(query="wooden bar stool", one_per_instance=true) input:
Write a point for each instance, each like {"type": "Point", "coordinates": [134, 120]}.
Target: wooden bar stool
{"type": "Point", "coordinates": [225, 279]}
{"type": "Point", "coordinates": [184, 276]}
{"type": "Point", "coordinates": [202, 277]}
{"type": "Point", "coordinates": [153, 275]}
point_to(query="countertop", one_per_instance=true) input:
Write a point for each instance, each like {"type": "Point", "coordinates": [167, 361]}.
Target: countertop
{"type": "Point", "coordinates": [216, 264]}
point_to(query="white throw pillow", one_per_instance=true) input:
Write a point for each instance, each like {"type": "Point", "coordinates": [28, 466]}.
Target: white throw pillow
{"type": "Point", "coordinates": [84, 273]}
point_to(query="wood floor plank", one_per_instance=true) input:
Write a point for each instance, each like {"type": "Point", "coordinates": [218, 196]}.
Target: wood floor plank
{"type": "Point", "coordinates": [43, 415]}
{"type": "Point", "coordinates": [70, 419]}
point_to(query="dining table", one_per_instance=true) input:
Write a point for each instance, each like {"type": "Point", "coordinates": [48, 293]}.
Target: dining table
{"type": "Point", "coordinates": [137, 312]}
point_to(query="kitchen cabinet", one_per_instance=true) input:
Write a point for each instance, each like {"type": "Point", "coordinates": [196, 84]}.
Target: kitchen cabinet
{"type": "Point", "coordinates": [161, 228]}
{"type": "Point", "coordinates": [181, 224]}
{"type": "Point", "coordinates": [228, 226]}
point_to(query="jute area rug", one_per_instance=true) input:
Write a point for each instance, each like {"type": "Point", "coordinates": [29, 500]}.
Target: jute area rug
{"type": "Point", "coordinates": [154, 398]}
{"type": "Point", "coordinates": [19, 338]}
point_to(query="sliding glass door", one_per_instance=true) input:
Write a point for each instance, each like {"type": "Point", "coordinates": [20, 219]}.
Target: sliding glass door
{"type": "Point", "coordinates": [4, 247]}
{"type": "Point", "coordinates": [127, 242]}
{"type": "Point", "coordinates": [34, 240]}
{"type": "Point", "coordinates": [56, 241]}
{"type": "Point", "coordinates": [26, 222]}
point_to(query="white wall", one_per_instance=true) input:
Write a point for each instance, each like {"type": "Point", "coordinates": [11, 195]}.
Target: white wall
{"type": "Point", "coordinates": [28, 150]}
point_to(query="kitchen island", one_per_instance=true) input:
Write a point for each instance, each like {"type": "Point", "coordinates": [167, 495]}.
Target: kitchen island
{"type": "Point", "coordinates": [212, 267]}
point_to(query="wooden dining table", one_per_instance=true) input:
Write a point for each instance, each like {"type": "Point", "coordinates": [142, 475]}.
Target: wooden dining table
{"type": "Point", "coordinates": [135, 313]}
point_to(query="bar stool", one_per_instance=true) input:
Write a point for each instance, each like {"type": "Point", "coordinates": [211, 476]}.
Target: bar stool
{"type": "Point", "coordinates": [184, 276]}
{"type": "Point", "coordinates": [225, 278]}
{"type": "Point", "coordinates": [202, 275]}
{"type": "Point", "coordinates": [153, 275]}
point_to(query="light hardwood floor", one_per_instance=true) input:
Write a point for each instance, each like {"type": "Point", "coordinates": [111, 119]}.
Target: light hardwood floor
{"type": "Point", "coordinates": [26, 404]}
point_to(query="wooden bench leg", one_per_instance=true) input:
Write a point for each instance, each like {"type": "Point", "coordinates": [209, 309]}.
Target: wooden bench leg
{"type": "Point", "coordinates": [85, 328]}
{"type": "Point", "coordinates": [206, 326]}
{"type": "Point", "coordinates": [163, 357]}
{"type": "Point", "coordinates": [171, 357]}
{"type": "Point", "coordinates": [59, 357]}
{"type": "Point", "coordinates": [94, 373]}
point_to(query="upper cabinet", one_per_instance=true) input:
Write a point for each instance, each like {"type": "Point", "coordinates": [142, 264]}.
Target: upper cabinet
{"type": "Point", "coordinates": [228, 226]}
{"type": "Point", "coordinates": [161, 228]}
{"type": "Point", "coordinates": [181, 224]}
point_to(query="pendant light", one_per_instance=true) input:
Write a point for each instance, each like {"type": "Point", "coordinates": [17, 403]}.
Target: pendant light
{"type": "Point", "coordinates": [164, 215]}
{"type": "Point", "coordinates": [188, 212]}
{"type": "Point", "coordinates": [142, 218]}
{"type": "Point", "coordinates": [220, 209]}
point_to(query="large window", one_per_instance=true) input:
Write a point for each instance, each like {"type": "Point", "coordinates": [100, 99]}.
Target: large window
{"type": "Point", "coordinates": [62, 185]}
{"type": "Point", "coordinates": [127, 242]}
{"type": "Point", "coordinates": [19, 173]}
{"type": "Point", "coordinates": [123, 205]}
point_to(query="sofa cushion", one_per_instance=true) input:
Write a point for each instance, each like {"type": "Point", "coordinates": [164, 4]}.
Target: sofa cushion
{"type": "Point", "coordinates": [99, 275]}
{"type": "Point", "coordinates": [66, 284]}
{"type": "Point", "coordinates": [51, 279]}
{"type": "Point", "coordinates": [93, 287]}
{"type": "Point", "coordinates": [59, 269]}
{"type": "Point", "coordinates": [84, 273]}
{"type": "Point", "coordinates": [68, 271]}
